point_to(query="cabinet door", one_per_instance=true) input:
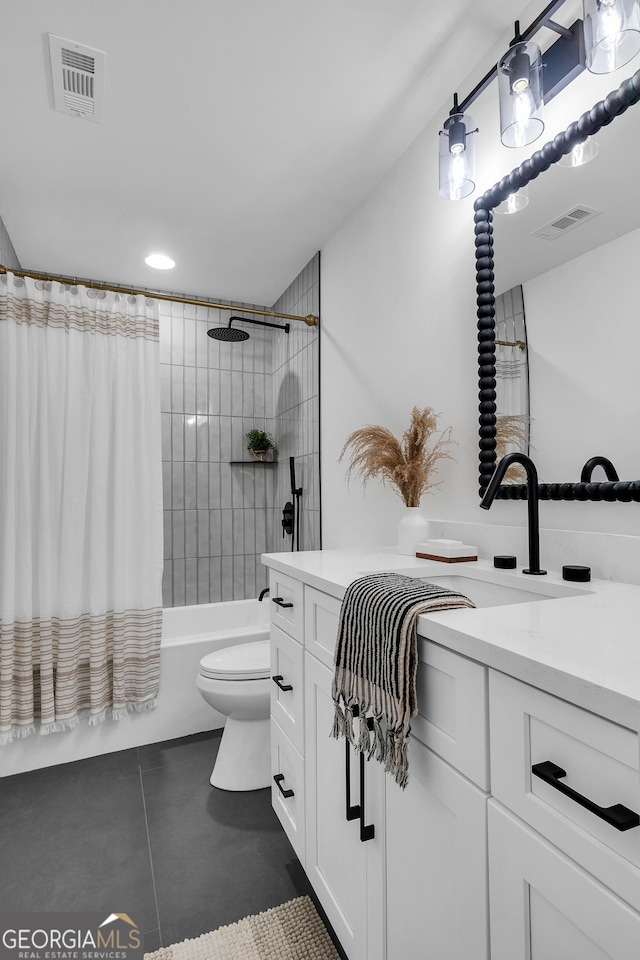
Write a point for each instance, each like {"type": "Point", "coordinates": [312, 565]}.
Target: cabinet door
{"type": "Point", "coordinates": [287, 787]}
{"type": "Point", "coordinates": [437, 896]}
{"type": "Point", "coordinates": [346, 873]}
{"type": "Point", "coordinates": [544, 906]}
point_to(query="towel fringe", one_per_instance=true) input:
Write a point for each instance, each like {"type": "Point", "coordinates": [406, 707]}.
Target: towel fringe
{"type": "Point", "coordinates": [339, 728]}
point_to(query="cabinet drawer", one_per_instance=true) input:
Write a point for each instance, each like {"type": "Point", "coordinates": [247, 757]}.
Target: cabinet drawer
{"type": "Point", "coordinates": [287, 613]}
{"type": "Point", "coordinates": [529, 726]}
{"type": "Point", "coordinates": [286, 669]}
{"type": "Point", "coordinates": [321, 615]}
{"type": "Point", "coordinates": [452, 710]}
{"type": "Point", "coordinates": [545, 907]}
{"type": "Point", "coordinates": [287, 765]}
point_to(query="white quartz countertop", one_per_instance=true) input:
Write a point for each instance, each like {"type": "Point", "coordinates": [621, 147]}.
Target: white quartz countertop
{"type": "Point", "coordinates": [583, 648]}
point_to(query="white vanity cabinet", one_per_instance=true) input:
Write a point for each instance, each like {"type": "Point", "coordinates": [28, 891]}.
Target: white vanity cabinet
{"type": "Point", "coordinates": [564, 882]}
{"type": "Point", "coordinates": [482, 857]}
{"type": "Point", "coordinates": [410, 874]}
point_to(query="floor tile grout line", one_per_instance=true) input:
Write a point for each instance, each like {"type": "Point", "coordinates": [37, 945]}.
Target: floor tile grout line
{"type": "Point", "coordinates": [153, 875]}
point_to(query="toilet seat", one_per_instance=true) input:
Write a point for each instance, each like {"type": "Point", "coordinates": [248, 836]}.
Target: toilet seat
{"type": "Point", "coordinates": [246, 661]}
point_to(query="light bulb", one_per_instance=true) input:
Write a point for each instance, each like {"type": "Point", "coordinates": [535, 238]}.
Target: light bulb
{"type": "Point", "coordinates": [524, 109]}
{"type": "Point", "coordinates": [459, 173]}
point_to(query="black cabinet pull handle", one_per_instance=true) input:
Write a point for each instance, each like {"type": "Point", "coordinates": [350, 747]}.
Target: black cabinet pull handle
{"type": "Point", "coordinates": [278, 682]}
{"type": "Point", "coordinates": [279, 777]}
{"type": "Point", "coordinates": [352, 810]}
{"type": "Point", "coordinates": [367, 832]}
{"type": "Point", "coordinates": [617, 816]}
{"type": "Point", "coordinates": [281, 602]}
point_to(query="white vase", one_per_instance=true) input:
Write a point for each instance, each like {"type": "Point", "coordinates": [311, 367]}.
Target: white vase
{"type": "Point", "coordinates": [412, 530]}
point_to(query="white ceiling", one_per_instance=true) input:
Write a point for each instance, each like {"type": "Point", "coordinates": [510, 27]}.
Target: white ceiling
{"type": "Point", "coordinates": [237, 134]}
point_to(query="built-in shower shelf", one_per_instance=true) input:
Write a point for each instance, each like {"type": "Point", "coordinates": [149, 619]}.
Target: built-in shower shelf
{"type": "Point", "coordinates": [252, 463]}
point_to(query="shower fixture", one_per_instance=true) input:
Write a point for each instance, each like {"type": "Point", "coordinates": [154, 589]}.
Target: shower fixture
{"type": "Point", "coordinates": [233, 335]}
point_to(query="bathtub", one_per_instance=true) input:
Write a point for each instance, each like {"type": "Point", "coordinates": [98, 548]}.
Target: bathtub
{"type": "Point", "coordinates": [188, 634]}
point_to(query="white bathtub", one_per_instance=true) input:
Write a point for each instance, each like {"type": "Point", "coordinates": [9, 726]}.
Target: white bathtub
{"type": "Point", "coordinates": [188, 634]}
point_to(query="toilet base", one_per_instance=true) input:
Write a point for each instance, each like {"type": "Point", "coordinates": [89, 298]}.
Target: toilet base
{"type": "Point", "coordinates": [244, 756]}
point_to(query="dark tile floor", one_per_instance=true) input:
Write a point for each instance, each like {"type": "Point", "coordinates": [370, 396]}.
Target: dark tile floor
{"type": "Point", "coordinates": [143, 832]}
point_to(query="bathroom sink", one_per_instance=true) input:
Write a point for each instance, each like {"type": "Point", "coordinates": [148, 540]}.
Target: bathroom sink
{"type": "Point", "coordinates": [493, 588]}
{"type": "Point", "coordinates": [485, 593]}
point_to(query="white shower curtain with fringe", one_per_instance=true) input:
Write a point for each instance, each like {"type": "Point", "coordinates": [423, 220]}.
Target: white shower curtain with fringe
{"type": "Point", "coordinates": [80, 505]}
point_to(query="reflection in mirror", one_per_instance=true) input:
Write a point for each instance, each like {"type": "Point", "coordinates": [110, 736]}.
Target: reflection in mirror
{"type": "Point", "coordinates": [512, 381]}
{"type": "Point", "coordinates": [575, 249]}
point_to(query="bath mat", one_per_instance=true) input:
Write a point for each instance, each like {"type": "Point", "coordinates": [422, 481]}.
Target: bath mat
{"type": "Point", "coordinates": [292, 931]}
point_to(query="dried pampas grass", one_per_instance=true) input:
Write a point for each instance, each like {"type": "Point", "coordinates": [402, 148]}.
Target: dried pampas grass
{"type": "Point", "coordinates": [407, 465]}
{"type": "Point", "coordinates": [511, 431]}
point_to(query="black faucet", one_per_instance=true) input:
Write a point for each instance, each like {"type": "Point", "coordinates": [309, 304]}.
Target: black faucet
{"type": "Point", "coordinates": [263, 593]}
{"type": "Point", "coordinates": [609, 469]}
{"type": "Point", "coordinates": [532, 498]}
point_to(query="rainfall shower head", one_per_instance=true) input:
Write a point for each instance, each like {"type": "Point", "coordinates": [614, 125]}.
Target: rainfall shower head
{"type": "Point", "coordinates": [232, 334]}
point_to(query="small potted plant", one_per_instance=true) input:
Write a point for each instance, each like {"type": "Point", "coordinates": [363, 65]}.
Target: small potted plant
{"type": "Point", "coordinates": [259, 443]}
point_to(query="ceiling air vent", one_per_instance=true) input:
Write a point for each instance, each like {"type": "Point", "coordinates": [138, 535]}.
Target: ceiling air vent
{"type": "Point", "coordinates": [77, 73]}
{"type": "Point", "coordinates": [569, 220]}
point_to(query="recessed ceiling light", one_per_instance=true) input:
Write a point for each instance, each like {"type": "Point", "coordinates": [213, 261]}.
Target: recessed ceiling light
{"type": "Point", "coordinates": [159, 261]}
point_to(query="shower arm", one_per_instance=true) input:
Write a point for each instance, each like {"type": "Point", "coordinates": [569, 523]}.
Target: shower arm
{"type": "Point", "coordinates": [310, 319]}
{"type": "Point", "coordinates": [260, 323]}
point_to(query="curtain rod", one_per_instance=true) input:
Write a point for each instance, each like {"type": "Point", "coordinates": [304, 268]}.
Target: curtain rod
{"type": "Point", "coordinates": [310, 319]}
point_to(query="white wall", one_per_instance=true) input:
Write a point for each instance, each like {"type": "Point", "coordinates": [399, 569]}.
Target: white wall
{"type": "Point", "coordinates": [584, 344]}
{"type": "Point", "coordinates": [399, 329]}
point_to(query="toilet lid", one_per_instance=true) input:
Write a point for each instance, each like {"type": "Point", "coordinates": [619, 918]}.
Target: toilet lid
{"type": "Point", "coordinates": [246, 661]}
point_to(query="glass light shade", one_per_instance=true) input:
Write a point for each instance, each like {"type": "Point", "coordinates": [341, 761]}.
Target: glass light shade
{"type": "Point", "coordinates": [521, 98]}
{"type": "Point", "coordinates": [582, 153]}
{"type": "Point", "coordinates": [457, 157]}
{"type": "Point", "coordinates": [611, 33]}
{"type": "Point", "coordinates": [514, 202]}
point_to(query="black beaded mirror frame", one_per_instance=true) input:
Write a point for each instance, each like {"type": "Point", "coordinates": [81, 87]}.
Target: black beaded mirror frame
{"type": "Point", "coordinates": [589, 123]}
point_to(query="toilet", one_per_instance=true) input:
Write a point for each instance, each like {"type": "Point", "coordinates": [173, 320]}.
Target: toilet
{"type": "Point", "coordinates": [235, 681]}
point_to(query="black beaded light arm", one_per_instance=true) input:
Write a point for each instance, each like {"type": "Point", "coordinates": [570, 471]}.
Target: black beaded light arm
{"type": "Point", "coordinates": [589, 123]}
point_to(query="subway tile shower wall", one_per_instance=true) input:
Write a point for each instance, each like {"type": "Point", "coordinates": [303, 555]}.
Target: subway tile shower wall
{"type": "Point", "coordinates": [7, 253]}
{"type": "Point", "coordinates": [219, 517]}
{"type": "Point", "coordinates": [296, 405]}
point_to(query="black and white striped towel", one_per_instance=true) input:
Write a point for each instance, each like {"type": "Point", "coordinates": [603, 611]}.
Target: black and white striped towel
{"type": "Point", "coordinates": [376, 662]}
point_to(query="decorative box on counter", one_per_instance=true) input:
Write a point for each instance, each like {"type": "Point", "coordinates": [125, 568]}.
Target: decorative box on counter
{"type": "Point", "coordinates": [447, 551]}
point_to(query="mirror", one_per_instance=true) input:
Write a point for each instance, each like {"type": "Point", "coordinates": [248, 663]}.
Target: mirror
{"type": "Point", "coordinates": [578, 277]}
{"type": "Point", "coordinates": [512, 380]}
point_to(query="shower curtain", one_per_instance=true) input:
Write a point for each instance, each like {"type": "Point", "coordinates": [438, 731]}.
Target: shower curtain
{"type": "Point", "coordinates": [80, 505]}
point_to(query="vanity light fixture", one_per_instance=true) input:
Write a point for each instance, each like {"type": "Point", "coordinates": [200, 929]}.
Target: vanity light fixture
{"type": "Point", "coordinates": [457, 155]}
{"type": "Point", "coordinates": [611, 33]}
{"type": "Point", "coordinates": [520, 93]}
{"type": "Point", "coordinates": [607, 39]}
{"type": "Point", "coordinates": [159, 261]}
